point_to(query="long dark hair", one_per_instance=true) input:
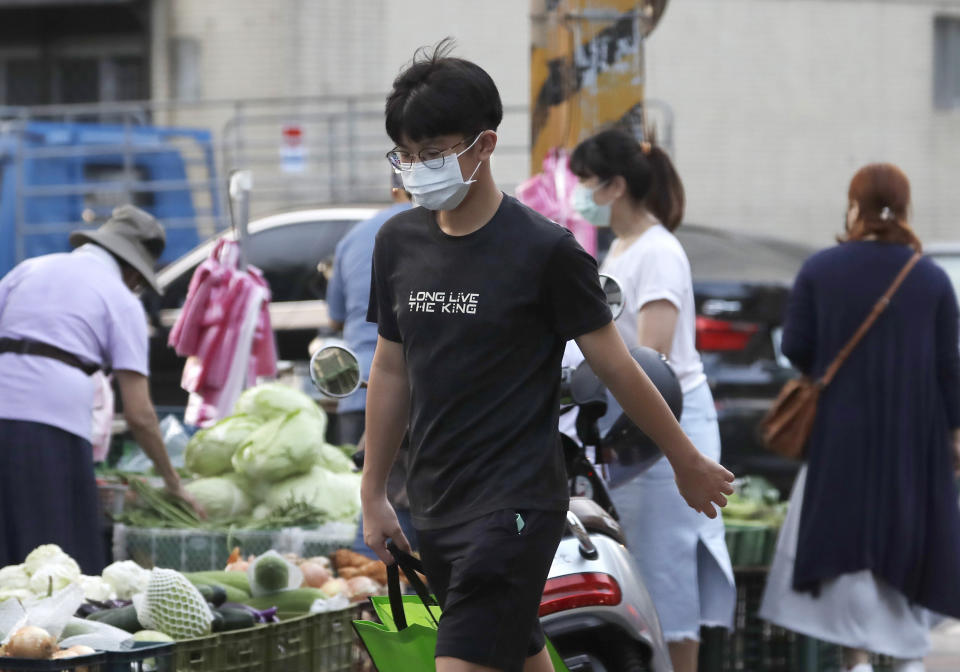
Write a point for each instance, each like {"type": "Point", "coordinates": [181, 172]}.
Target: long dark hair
{"type": "Point", "coordinates": [882, 194]}
{"type": "Point", "coordinates": [651, 179]}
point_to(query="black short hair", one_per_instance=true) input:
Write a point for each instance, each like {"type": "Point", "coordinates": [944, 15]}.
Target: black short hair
{"type": "Point", "coordinates": [441, 95]}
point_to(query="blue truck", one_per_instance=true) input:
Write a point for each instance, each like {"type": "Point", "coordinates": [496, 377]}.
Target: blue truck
{"type": "Point", "coordinates": [58, 176]}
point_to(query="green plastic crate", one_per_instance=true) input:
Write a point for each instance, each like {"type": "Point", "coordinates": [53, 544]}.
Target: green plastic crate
{"type": "Point", "coordinates": [313, 643]}
{"type": "Point", "coordinates": [203, 550]}
{"type": "Point", "coordinates": [750, 544]}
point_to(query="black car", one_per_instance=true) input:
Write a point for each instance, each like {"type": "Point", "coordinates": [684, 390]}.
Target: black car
{"type": "Point", "coordinates": [741, 284]}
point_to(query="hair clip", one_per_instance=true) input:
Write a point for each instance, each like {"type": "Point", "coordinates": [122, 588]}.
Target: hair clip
{"type": "Point", "coordinates": [645, 147]}
{"type": "Point", "coordinates": [886, 214]}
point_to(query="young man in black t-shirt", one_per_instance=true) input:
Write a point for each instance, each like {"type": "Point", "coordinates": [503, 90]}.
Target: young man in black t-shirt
{"type": "Point", "coordinates": [475, 296]}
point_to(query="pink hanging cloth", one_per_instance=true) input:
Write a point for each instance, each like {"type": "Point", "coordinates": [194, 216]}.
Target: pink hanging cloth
{"type": "Point", "coordinates": [549, 194]}
{"type": "Point", "coordinates": [224, 331]}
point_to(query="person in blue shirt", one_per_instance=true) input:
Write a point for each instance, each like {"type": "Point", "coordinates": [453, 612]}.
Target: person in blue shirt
{"type": "Point", "coordinates": [348, 296]}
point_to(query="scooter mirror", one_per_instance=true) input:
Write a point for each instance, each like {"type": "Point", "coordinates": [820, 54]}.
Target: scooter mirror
{"type": "Point", "coordinates": [335, 371]}
{"type": "Point", "coordinates": [614, 293]}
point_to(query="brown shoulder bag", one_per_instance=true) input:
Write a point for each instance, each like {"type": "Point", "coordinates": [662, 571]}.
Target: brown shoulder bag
{"type": "Point", "coordinates": [787, 426]}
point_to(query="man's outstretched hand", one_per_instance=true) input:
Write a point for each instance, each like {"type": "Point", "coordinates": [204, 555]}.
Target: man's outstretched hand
{"type": "Point", "coordinates": [703, 483]}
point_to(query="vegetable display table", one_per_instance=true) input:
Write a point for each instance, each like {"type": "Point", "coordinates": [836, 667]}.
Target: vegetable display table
{"type": "Point", "coordinates": [202, 550]}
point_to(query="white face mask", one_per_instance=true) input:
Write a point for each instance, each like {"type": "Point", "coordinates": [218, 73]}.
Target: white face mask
{"type": "Point", "coordinates": [439, 188]}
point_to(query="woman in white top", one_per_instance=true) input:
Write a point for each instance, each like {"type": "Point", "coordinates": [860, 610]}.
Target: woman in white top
{"type": "Point", "coordinates": [634, 189]}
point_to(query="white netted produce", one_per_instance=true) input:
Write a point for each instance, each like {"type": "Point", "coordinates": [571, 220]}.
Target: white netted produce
{"type": "Point", "coordinates": [173, 606]}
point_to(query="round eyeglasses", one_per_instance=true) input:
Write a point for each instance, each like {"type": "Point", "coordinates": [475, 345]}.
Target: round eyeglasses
{"type": "Point", "coordinates": [431, 157]}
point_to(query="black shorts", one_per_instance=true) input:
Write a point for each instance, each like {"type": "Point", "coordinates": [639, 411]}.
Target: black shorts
{"type": "Point", "coordinates": [488, 576]}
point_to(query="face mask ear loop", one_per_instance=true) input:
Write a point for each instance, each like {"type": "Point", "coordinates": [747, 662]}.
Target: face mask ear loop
{"type": "Point", "coordinates": [470, 179]}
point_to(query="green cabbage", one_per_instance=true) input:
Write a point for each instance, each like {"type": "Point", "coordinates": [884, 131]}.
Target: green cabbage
{"type": "Point", "coordinates": [222, 497]}
{"type": "Point", "coordinates": [210, 451]}
{"type": "Point", "coordinates": [273, 400]}
{"type": "Point", "coordinates": [332, 459]}
{"type": "Point", "coordinates": [283, 447]}
{"type": "Point", "coordinates": [337, 495]}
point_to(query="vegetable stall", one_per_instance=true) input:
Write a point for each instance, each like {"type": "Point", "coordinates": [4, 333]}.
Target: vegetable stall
{"type": "Point", "coordinates": [273, 611]}
{"type": "Point", "coordinates": [264, 581]}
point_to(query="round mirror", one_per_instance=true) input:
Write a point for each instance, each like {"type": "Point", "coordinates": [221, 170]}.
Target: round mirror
{"type": "Point", "coordinates": [335, 370]}
{"type": "Point", "coordinates": [614, 293]}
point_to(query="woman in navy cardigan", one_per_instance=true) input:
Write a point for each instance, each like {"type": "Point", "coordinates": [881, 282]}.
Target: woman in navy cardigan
{"type": "Point", "coordinates": [871, 544]}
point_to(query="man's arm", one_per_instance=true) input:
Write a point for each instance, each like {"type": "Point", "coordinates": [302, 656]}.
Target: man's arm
{"type": "Point", "coordinates": [141, 417]}
{"type": "Point", "coordinates": [388, 410]}
{"type": "Point", "coordinates": [701, 481]}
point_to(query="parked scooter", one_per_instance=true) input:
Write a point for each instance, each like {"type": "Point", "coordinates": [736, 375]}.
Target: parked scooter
{"type": "Point", "coordinates": [595, 607]}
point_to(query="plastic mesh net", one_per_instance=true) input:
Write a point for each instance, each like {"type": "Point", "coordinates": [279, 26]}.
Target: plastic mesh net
{"type": "Point", "coordinates": [174, 606]}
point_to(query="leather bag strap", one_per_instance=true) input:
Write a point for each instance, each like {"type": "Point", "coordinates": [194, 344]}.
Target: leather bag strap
{"type": "Point", "coordinates": [878, 309]}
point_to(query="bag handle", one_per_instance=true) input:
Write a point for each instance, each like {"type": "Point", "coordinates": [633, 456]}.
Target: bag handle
{"type": "Point", "coordinates": [878, 308]}
{"type": "Point", "coordinates": [410, 566]}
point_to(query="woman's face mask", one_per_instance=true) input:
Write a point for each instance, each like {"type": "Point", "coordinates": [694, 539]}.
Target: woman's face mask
{"type": "Point", "coordinates": [440, 188]}
{"type": "Point", "coordinates": [584, 203]}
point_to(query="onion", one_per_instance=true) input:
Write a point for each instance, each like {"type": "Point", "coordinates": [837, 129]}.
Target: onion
{"type": "Point", "coordinates": [82, 650]}
{"type": "Point", "coordinates": [63, 653]}
{"type": "Point", "coordinates": [31, 642]}
{"type": "Point", "coordinates": [334, 587]}
{"type": "Point", "coordinates": [314, 574]}
{"type": "Point", "coordinates": [362, 587]}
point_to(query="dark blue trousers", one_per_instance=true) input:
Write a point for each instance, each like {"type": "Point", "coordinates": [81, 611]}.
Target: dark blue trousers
{"type": "Point", "coordinates": [48, 495]}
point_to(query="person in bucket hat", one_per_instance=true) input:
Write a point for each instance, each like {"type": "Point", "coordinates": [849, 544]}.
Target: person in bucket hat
{"type": "Point", "coordinates": [134, 237]}
{"type": "Point", "coordinates": [63, 318]}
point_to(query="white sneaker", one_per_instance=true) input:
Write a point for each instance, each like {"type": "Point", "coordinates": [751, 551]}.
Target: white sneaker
{"type": "Point", "coordinates": [908, 666]}
{"type": "Point", "coordinates": [863, 667]}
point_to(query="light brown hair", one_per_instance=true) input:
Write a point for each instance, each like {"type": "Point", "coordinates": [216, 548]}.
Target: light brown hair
{"type": "Point", "coordinates": [881, 192]}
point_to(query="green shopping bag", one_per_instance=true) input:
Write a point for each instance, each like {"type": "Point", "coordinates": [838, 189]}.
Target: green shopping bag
{"type": "Point", "coordinates": [416, 612]}
{"type": "Point", "coordinates": [406, 640]}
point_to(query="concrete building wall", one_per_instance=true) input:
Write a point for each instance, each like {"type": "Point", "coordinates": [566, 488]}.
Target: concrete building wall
{"type": "Point", "coordinates": [776, 102]}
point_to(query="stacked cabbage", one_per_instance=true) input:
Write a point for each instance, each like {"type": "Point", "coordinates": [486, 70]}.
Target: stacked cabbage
{"type": "Point", "coordinates": [270, 454]}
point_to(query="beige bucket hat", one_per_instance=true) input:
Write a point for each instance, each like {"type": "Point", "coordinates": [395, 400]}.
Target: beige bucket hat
{"type": "Point", "coordinates": [133, 235]}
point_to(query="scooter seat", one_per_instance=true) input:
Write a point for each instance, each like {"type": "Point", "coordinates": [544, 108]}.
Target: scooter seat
{"type": "Point", "coordinates": [596, 520]}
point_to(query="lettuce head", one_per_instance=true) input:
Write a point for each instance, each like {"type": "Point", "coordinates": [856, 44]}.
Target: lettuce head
{"type": "Point", "coordinates": [210, 451]}
{"type": "Point", "coordinates": [283, 447]}
{"type": "Point", "coordinates": [273, 400]}
{"type": "Point", "coordinates": [222, 497]}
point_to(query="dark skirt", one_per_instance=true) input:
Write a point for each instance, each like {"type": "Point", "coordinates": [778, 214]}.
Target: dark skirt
{"type": "Point", "coordinates": [48, 495]}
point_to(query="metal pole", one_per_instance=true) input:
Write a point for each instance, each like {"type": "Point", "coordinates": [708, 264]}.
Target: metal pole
{"type": "Point", "coordinates": [350, 151]}
{"type": "Point", "coordinates": [241, 182]}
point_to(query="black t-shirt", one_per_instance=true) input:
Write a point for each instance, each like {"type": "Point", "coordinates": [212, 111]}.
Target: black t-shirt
{"type": "Point", "coordinates": [483, 319]}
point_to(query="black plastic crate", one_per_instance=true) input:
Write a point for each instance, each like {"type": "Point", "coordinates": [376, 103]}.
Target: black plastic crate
{"type": "Point", "coordinates": [755, 644]}
{"type": "Point", "coordinates": [91, 663]}
{"type": "Point", "coordinates": [144, 657]}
